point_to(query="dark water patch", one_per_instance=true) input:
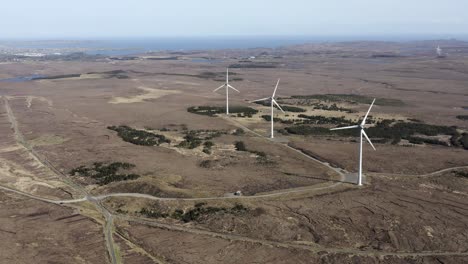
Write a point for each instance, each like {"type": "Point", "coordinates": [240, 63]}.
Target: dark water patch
{"type": "Point", "coordinates": [206, 60]}
{"type": "Point", "coordinates": [23, 78]}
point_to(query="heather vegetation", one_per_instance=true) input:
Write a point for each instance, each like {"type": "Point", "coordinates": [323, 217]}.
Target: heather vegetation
{"type": "Point", "coordinates": [103, 174]}
{"type": "Point", "coordinates": [139, 137]}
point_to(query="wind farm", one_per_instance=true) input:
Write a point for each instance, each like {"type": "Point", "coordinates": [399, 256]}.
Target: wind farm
{"type": "Point", "coordinates": [136, 159]}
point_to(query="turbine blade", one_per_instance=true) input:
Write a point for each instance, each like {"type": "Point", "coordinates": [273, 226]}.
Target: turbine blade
{"type": "Point", "coordinates": [276, 87]}
{"type": "Point", "coordinates": [278, 106]}
{"type": "Point", "coordinates": [263, 99]}
{"type": "Point", "coordinates": [348, 127]}
{"type": "Point", "coordinates": [233, 88]}
{"type": "Point", "coordinates": [219, 88]}
{"type": "Point", "coordinates": [227, 75]}
{"type": "Point", "coordinates": [368, 111]}
{"type": "Point", "coordinates": [368, 140]}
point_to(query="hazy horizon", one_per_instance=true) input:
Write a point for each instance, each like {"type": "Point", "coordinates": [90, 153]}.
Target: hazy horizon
{"type": "Point", "coordinates": [53, 19]}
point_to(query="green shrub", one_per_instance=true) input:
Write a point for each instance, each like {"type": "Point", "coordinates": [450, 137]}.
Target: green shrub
{"type": "Point", "coordinates": [464, 140]}
{"type": "Point", "coordinates": [461, 174]}
{"type": "Point", "coordinates": [240, 146]}
{"type": "Point", "coordinates": [239, 132]}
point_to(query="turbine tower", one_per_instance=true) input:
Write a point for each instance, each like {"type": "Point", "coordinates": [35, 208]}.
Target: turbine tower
{"type": "Point", "coordinates": [273, 103]}
{"type": "Point", "coordinates": [439, 52]}
{"type": "Point", "coordinates": [362, 132]}
{"type": "Point", "coordinates": [227, 85]}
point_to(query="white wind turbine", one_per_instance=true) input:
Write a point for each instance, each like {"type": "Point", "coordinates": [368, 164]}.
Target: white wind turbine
{"type": "Point", "coordinates": [227, 85]}
{"type": "Point", "coordinates": [273, 103]}
{"type": "Point", "coordinates": [362, 132]}
{"type": "Point", "coordinates": [439, 51]}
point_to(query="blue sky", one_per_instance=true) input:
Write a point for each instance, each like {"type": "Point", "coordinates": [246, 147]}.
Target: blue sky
{"type": "Point", "coordinates": [156, 18]}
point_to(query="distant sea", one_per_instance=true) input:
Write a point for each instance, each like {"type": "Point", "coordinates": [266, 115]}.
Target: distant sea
{"type": "Point", "coordinates": [128, 46]}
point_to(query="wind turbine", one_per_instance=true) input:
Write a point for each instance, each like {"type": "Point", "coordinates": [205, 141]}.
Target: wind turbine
{"type": "Point", "coordinates": [362, 132]}
{"type": "Point", "coordinates": [227, 85]}
{"type": "Point", "coordinates": [273, 103]}
{"type": "Point", "coordinates": [439, 51]}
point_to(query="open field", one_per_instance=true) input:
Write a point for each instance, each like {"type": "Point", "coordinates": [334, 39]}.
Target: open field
{"type": "Point", "coordinates": [114, 145]}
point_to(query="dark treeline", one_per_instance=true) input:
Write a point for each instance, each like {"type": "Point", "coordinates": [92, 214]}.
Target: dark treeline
{"type": "Point", "coordinates": [241, 111]}
{"type": "Point", "coordinates": [139, 137]}
{"type": "Point", "coordinates": [323, 120]}
{"type": "Point", "coordinates": [198, 213]}
{"type": "Point", "coordinates": [333, 107]}
{"type": "Point", "coordinates": [104, 174]}
{"type": "Point", "coordinates": [350, 98]}
{"type": "Point", "coordinates": [286, 108]}
{"type": "Point", "coordinates": [393, 132]}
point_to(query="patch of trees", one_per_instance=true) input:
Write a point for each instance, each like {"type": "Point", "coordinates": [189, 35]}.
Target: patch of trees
{"type": "Point", "coordinates": [307, 130]}
{"type": "Point", "coordinates": [323, 120]}
{"type": "Point", "coordinates": [277, 119]}
{"type": "Point", "coordinates": [464, 141]}
{"type": "Point", "coordinates": [207, 147]}
{"type": "Point", "coordinates": [124, 58]}
{"type": "Point", "coordinates": [139, 137]}
{"type": "Point", "coordinates": [195, 138]}
{"type": "Point", "coordinates": [421, 140]}
{"type": "Point", "coordinates": [119, 74]}
{"type": "Point", "coordinates": [55, 77]}
{"type": "Point", "coordinates": [462, 117]}
{"type": "Point", "coordinates": [163, 58]}
{"type": "Point", "coordinates": [204, 75]}
{"type": "Point", "coordinates": [392, 132]}
{"type": "Point", "coordinates": [386, 55]}
{"type": "Point", "coordinates": [250, 65]}
{"type": "Point", "coordinates": [196, 214]}
{"type": "Point", "coordinates": [286, 108]}
{"type": "Point", "coordinates": [333, 107]}
{"type": "Point", "coordinates": [191, 141]}
{"type": "Point", "coordinates": [240, 146]}
{"type": "Point", "coordinates": [239, 132]}
{"type": "Point", "coordinates": [461, 174]}
{"type": "Point", "coordinates": [104, 174]}
{"type": "Point", "coordinates": [350, 98]}
{"type": "Point", "coordinates": [241, 111]}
